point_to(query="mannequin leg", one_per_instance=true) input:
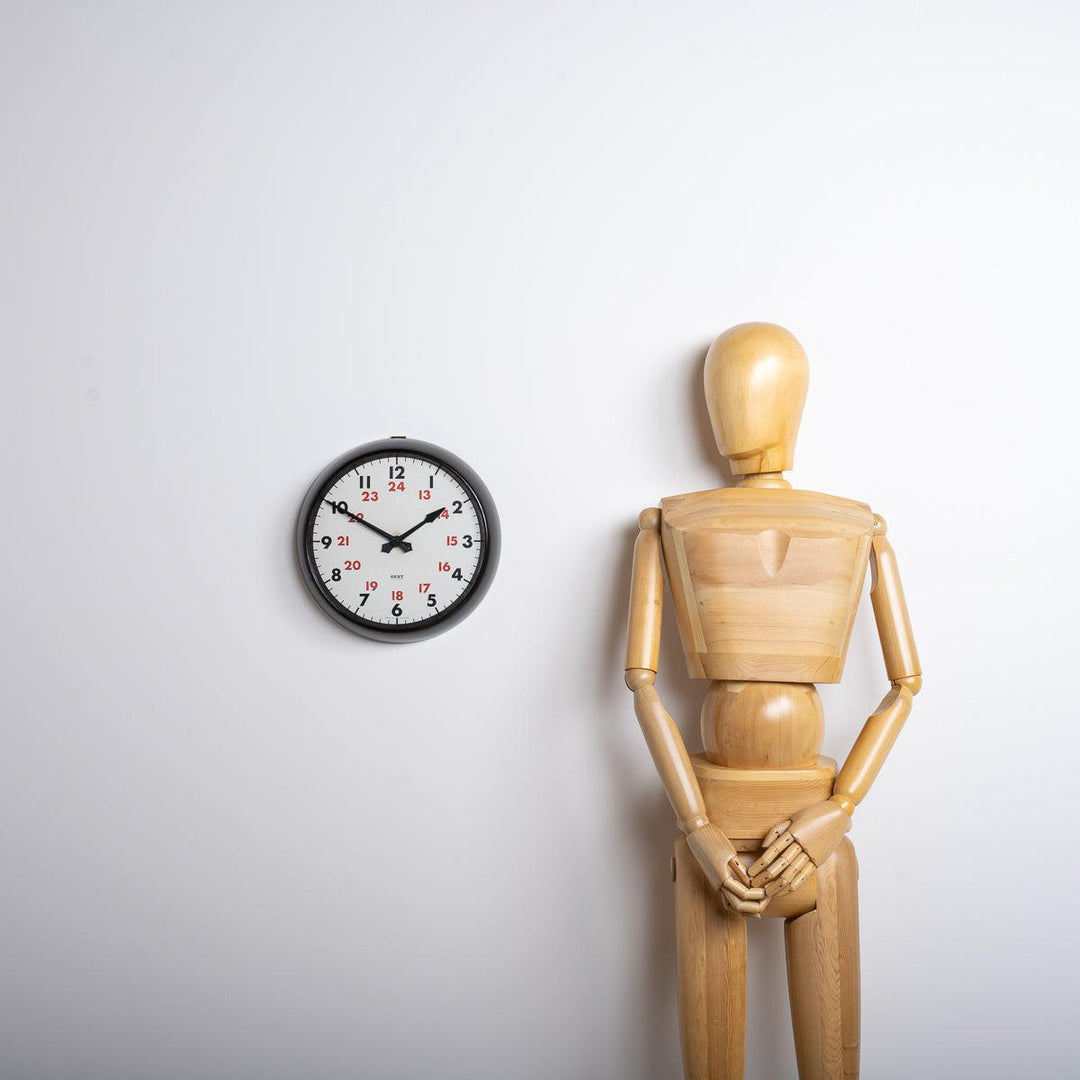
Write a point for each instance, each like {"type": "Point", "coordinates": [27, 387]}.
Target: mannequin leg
{"type": "Point", "coordinates": [823, 973]}
{"type": "Point", "coordinates": [711, 976]}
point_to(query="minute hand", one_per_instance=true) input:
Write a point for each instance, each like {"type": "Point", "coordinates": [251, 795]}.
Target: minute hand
{"type": "Point", "coordinates": [428, 518]}
{"type": "Point", "coordinates": [395, 541]}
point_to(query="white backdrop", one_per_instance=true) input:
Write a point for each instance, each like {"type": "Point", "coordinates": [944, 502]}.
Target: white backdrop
{"type": "Point", "coordinates": [238, 239]}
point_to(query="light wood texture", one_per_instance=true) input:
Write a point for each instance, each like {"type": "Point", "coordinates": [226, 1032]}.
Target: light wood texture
{"type": "Point", "coordinates": [642, 660]}
{"type": "Point", "coordinates": [711, 972]}
{"type": "Point", "coordinates": [902, 666]}
{"type": "Point", "coordinates": [714, 852]}
{"type": "Point", "coordinates": [672, 762]}
{"type": "Point", "coordinates": [762, 725]}
{"type": "Point", "coordinates": [765, 581]}
{"type": "Point", "coordinates": [790, 905]}
{"type": "Point", "coordinates": [716, 856]}
{"type": "Point", "coordinates": [796, 847]}
{"type": "Point", "coordinates": [720, 864]}
{"type": "Point", "coordinates": [890, 611]}
{"type": "Point", "coordinates": [823, 974]}
{"type": "Point", "coordinates": [873, 745]}
{"type": "Point", "coordinates": [755, 387]}
{"type": "Point", "coordinates": [646, 596]}
{"type": "Point", "coordinates": [787, 905]}
{"type": "Point", "coordinates": [746, 803]}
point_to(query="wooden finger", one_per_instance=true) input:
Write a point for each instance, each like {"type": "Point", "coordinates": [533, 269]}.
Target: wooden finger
{"type": "Point", "coordinates": [786, 878]}
{"type": "Point", "coordinates": [775, 833]}
{"type": "Point", "coordinates": [803, 875]}
{"type": "Point", "coordinates": [786, 859]}
{"type": "Point", "coordinates": [739, 869]}
{"type": "Point", "coordinates": [792, 871]}
{"type": "Point", "coordinates": [774, 849]}
{"type": "Point", "coordinates": [742, 891]}
{"type": "Point", "coordinates": [776, 888]}
{"type": "Point", "coordinates": [745, 907]}
{"type": "Point", "coordinates": [778, 865]}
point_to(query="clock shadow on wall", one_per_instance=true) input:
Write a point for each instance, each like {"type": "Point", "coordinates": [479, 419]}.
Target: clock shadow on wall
{"type": "Point", "coordinates": [398, 540]}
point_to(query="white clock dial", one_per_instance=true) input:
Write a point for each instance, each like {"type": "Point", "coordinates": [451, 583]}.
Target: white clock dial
{"type": "Point", "coordinates": [396, 540]}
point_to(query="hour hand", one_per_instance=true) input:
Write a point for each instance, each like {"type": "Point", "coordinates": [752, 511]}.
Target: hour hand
{"type": "Point", "coordinates": [428, 519]}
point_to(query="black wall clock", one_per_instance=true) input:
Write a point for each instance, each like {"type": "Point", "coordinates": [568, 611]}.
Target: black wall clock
{"type": "Point", "coordinates": [397, 540]}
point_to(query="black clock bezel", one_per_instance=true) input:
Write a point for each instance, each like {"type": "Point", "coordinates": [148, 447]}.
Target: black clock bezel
{"type": "Point", "coordinates": [490, 544]}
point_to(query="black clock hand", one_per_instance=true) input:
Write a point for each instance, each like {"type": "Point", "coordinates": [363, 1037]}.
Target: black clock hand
{"type": "Point", "coordinates": [395, 541]}
{"type": "Point", "coordinates": [428, 519]}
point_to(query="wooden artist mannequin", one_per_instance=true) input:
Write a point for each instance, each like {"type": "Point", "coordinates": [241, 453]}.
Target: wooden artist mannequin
{"type": "Point", "coordinates": [765, 582]}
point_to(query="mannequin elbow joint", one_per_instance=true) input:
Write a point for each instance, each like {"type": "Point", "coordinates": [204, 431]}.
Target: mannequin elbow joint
{"type": "Point", "coordinates": [913, 683]}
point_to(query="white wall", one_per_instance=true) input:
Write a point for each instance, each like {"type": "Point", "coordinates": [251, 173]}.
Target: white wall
{"type": "Point", "coordinates": [238, 842]}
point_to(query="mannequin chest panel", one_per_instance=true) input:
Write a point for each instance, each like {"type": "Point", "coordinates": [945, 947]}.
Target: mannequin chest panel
{"type": "Point", "coordinates": [765, 581]}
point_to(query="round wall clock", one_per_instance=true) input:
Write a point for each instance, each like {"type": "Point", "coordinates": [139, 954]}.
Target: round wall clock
{"type": "Point", "coordinates": [397, 540]}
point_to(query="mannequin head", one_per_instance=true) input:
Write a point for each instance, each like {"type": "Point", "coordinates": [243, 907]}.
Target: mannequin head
{"type": "Point", "coordinates": [755, 387]}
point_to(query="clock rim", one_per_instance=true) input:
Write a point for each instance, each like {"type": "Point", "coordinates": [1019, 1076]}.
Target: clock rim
{"type": "Point", "coordinates": [485, 569]}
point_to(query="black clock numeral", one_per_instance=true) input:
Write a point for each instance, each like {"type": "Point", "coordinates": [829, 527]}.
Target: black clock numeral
{"type": "Point", "coordinates": [325, 541]}
{"type": "Point", "coordinates": [396, 610]}
{"type": "Point", "coordinates": [335, 574]}
{"type": "Point", "coordinates": [397, 472]}
{"type": "Point", "coordinates": [364, 598]}
{"type": "Point", "coordinates": [466, 541]}
{"type": "Point", "coordinates": [431, 481]}
{"type": "Point", "coordinates": [456, 575]}
{"type": "Point", "coordinates": [365, 481]}
{"type": "Point", "coordinates": [340, 507]}
{"type": "Point", "coordinates": [457, 506]}
{"type": "Point", "coordinates": [431, 601]}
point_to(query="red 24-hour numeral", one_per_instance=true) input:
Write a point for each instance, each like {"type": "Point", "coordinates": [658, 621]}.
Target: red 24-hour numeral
{"type": "Point", "coordinates": [451, 541]}
{"type": "Point", "coordinates": [444, 566]}
{"type": "Point", "coordinates": [424, 493]}
{"type": "Point", "coordinates": [352, 564]}
{"type": "Point", "coordinates": [424, 586]}
{"type": "Point", "coordinates": [397, 485]}
{"type": "Point", "coordinates": [371, 586]}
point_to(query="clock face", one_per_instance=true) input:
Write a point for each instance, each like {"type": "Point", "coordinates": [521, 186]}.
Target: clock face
{"type": "Point", "coordinates": [397, 539]}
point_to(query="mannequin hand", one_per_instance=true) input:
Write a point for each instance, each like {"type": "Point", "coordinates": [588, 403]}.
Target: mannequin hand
{"type": "Point", "coordinates": [795, 849]}
{"type": "Point", "coordinates": [716, 856]}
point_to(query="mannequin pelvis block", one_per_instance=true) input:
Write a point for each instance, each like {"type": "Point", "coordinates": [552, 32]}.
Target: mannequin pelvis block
{"type": "Point", "coordinates": [765, 581]}
{"type": "Point", "coordinates": [747, 803]}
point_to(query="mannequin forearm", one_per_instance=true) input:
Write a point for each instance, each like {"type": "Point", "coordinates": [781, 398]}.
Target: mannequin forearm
{"type": "Point", "coordinates": [672, 761]}
{"type": "Point", "coordinates": [871, 748]}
